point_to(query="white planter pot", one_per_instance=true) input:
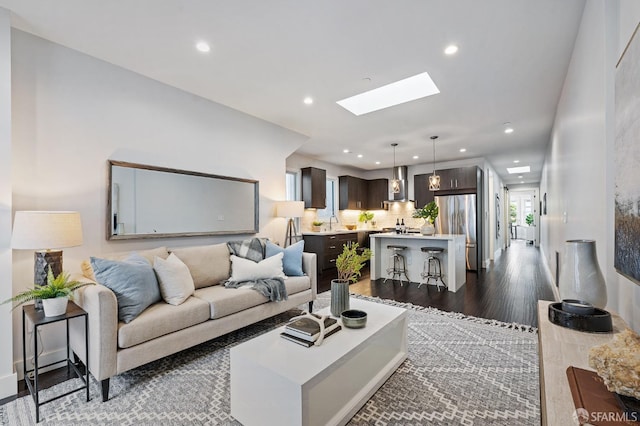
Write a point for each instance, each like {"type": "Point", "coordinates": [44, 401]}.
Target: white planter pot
{"type": "Point", "coordinates": [580, 275]}
{"type": "Point", "coordinates": [427, 229]}
{"type": "Point", "coordinates": [55, 307]}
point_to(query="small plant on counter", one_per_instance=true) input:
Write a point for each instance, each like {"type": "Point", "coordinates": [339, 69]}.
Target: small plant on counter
{"type": "Point", "coordinates": [365, 216]}
{"type": "Point", "coordinates": [350, 262]}
{"type": "Point", "coordinates": [429, 212]}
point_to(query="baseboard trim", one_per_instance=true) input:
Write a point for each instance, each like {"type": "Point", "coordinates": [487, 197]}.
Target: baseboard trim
{"type": "Point", "coordinates": [8, 386]}
{"type": "Point", "coordinates": [44, 359]}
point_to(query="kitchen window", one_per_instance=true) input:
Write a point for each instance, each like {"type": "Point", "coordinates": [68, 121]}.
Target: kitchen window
{"type": "Point", "coordinates": [332, 200]}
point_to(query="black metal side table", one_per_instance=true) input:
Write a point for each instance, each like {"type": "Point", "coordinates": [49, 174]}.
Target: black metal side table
{"type": "Point", "coordinates": [37, 318]}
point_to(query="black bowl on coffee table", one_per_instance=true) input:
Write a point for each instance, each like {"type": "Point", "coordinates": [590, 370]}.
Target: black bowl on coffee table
{"type": "Point", "coordinates": [353, 318]}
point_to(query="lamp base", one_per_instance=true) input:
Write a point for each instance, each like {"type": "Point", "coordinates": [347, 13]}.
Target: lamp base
{"type": "Point", "coordinates": [43, 260]}
{"type": "Point", "coordinates": [291, 236]}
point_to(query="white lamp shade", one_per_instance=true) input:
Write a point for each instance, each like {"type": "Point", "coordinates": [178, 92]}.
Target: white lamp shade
{"type": "Point", "coordinates": [38, 230]}
{"type": "Point", "coordinates": [290, 209]}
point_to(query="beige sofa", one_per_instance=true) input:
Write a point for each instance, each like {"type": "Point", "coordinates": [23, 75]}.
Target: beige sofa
{"type": "Point", "coordinates": [164, 329]}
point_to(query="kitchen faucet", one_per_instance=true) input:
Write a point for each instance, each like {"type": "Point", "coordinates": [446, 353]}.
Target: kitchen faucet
{"type": "Point", "coordinates": [331, 219]}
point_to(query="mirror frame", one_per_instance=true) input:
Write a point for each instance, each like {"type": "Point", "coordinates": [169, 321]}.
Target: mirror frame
{"type": "Point", "coordinates": [109, 228]}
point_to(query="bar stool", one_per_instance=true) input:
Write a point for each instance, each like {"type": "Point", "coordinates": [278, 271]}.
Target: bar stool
{"type": "Point", "coordinates": [399, 263]}
{"type": "Point", "coordinates": [432, 269]}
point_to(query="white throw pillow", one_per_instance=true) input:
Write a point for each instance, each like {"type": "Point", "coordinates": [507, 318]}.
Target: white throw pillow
{"type": "Point", "coordinates": [174, 279]}
{"type": "Point", "coordinates": [247, 270]}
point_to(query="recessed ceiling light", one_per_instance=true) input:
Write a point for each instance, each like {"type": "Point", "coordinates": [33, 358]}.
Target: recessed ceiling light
{"type": "Point", "coordinates": [521, 181]}
{"type": "Point", "coordinates": [399, 92]}
{"type": "Point", "coordinates": [415, 157]}
{"type": "Point", "coordinates": [516, 161]}
{"type": "Point", "coordinates": [520, 177]}
{"type": "Point", "coordinates": [451, 49]}
{"type": "Point", "coordinates": [346, 151]}
{"type": "Point", "coordinates": [203, 46]}
{"type": "Point", "coordinates": [308, 100]}
{"type": "Point", "coordinates": [463, 149]}
{"type": "Point", "coordinates": [508, 130]}
{"type": "Point", "coordinates": [522, 169]}
{"type": "Point", "coordinates": [359, 155]}
{"type": "Point", "coordinates": [377, 162]}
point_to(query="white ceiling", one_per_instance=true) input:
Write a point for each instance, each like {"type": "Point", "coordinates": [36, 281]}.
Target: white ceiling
{"type": "Point", "coordinates": [267, 55]}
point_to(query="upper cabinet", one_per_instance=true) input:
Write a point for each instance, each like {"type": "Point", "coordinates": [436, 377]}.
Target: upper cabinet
{"type": "Point", "coordinates": [462, 180]}
{"type": "Point", "coordinates": [377, 193]}
{"type": "Point", "coordinates": [314, 188]}
{"type": "Point", "coordinates": [362, 194]}
{"type": "Point", "coordinates": [353, 193]}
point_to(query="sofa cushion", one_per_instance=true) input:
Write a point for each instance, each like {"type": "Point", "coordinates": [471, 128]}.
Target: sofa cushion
{"type": "Point", "coordinates": [292, 260]}
{"type": "Point", "coordinates": [151, 254]}
{"type": "Point", "coordinates": [174, 279]}
{"type": "Point", "coordinates": [160, 319]}
{"type": "Point", "coordinates": [248, 270]}
{"type": "Point", "coordinates": [226, 301]}
{"type": "Point", "coordinates": [133, 282]}
{"type": "Point", "coordinates": [209, 265]}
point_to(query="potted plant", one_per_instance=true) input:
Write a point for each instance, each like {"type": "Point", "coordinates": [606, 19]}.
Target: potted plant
{"type": "Point", "coordinates": [365, 217]}
{"type": "Point", "coordinates": [529, 219]}
{"type": "Point", "coordinates": [349, 263]}
{"type": "Point", "coordinates": [55, 294]}
{"type": "Point", "coordinates": [315, 225]}
{"type": "Point", "coordinates": [429, 213]}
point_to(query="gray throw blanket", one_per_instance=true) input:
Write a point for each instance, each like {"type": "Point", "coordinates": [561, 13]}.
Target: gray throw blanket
{"type": "Point", "coordinates": [271, 288]}
{"type": "Point", "coordinates": [253, 249]}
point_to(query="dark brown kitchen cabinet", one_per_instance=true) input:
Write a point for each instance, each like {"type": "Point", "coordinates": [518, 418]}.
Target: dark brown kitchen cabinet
{"type": "Point", "coordinates": [327, 247]}
{"type": "Point", "coordinates": [421, 191]}
{"type": "Point", "coordinates": [353, 193]}
{"type": "Point", "coordinates": [460, 179]}
{"type": "Point", "coordinates": [377, 193]}
{"type": "Point", "coordinates": [314, 188]}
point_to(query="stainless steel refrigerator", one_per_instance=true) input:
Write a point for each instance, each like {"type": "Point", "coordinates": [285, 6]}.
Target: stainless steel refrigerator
{"type": "Point", "coordinates": [457, 215]}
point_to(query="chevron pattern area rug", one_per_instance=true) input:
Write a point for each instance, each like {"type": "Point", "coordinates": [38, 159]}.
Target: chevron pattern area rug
{"type": "Point", "coordinates": [460, 370]}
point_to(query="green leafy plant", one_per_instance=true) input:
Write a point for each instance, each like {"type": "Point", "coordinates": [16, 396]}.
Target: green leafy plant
{"type": "Point", "coordinates": [429, 212]}
{"type": "Point", "coordinates": [513, 213]}
{"type": "Point", "coordinates": [60, 286]}
{"type": "Point", "coordinates": [350, 262]}
{"type": "Point", "coordinates": [529, 219]}
{"type": "Point", "coordinates": [317, 223]}
{"type": "Point", "coordinates": [365, 216]}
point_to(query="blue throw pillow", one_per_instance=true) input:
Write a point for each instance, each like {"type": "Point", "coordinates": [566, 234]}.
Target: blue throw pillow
{"type": "Point", "coordinates": [292, 260]}
{"type": "Point", "coordinates": [133, 282]}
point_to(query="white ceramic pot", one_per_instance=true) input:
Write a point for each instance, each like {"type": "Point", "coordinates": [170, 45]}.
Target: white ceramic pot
{"type": "Point", "coordinates": [55, 307]}
{"type": "Point", "coordinates": [580, 275]}
{"type": "Point", "coordinates": [427, 229]}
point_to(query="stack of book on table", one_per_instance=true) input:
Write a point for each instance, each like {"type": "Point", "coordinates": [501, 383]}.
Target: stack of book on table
{"type": "Point", "coordinates": [305, 331]}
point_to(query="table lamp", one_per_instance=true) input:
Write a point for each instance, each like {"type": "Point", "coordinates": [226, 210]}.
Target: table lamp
{"type": "Point", "coordinates": [43, 231]}
{"type": "Point", "coordinates": [290, 209]}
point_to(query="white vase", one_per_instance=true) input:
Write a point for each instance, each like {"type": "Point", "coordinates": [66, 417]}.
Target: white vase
{"type": "Point", "coordinates": [55, 307]}
{"type": "Point", "coordinates": [427, 228]}
{"type": "Point", "coordinates": [580, 275]}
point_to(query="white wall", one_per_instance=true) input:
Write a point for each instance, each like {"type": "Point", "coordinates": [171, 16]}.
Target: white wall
{"type": "Point", "coordinates": [578, 170]}
{"type": "Point", "coordinates": [8, 385]}
{"type": "Point", "coordinates": [72, 112]}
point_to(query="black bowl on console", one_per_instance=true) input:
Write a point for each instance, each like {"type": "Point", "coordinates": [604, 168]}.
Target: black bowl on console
{"type": "Point", "coordinates": [576, 306]}
{"type": "Point", "coordinates": [599, 321]}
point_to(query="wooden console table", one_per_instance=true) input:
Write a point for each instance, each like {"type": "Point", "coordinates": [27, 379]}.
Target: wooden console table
{"type": "Point", "coordinates": [559, 348]}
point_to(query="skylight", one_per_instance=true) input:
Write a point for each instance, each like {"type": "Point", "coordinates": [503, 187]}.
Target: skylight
{"type": "Point", "coordinates": [409, 89]}
{"type": "Point", "coordinates": [522, 169]}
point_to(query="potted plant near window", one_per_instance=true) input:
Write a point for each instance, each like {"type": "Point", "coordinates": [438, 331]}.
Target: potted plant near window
{"type": "Point", "coordinates": [429, 213]}
{"type": "Point", "coordinates": [349, 263]}
{"type": "Point", "coordinates": [315, 225]}
{"type": "Point", "coordinates": [55, 294]}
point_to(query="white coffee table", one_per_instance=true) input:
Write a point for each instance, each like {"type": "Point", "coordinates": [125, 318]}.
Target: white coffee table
{"type": "Point", "coordinates": [277, 382]}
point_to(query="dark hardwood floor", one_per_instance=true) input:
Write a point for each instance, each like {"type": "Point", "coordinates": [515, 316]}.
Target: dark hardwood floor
{"type": "Point", "coordinates": [507, 291]}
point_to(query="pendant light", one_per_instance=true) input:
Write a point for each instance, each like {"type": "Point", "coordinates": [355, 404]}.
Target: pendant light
{"type": "Point", "coordinates": [434, 179]}
{"type": "Point", "coordinates": [395, 182]}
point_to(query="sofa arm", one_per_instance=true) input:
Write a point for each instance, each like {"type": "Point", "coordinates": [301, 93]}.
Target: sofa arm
{"type": "Point", "coordinates": [101, 304]}
{"type": "Point", "coordinates": [310, 267]}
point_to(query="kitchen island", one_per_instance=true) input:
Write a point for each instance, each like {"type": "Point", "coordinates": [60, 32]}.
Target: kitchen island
{"type": "Point", "coordinates": [452, 259]}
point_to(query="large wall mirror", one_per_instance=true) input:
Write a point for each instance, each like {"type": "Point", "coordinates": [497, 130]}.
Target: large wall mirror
{"type": "Point", "coordinates": [153, 202]}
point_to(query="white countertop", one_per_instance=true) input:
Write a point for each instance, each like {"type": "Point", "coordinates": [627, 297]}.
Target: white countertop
{"type": "Point", "coordinates": [448, 237]}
